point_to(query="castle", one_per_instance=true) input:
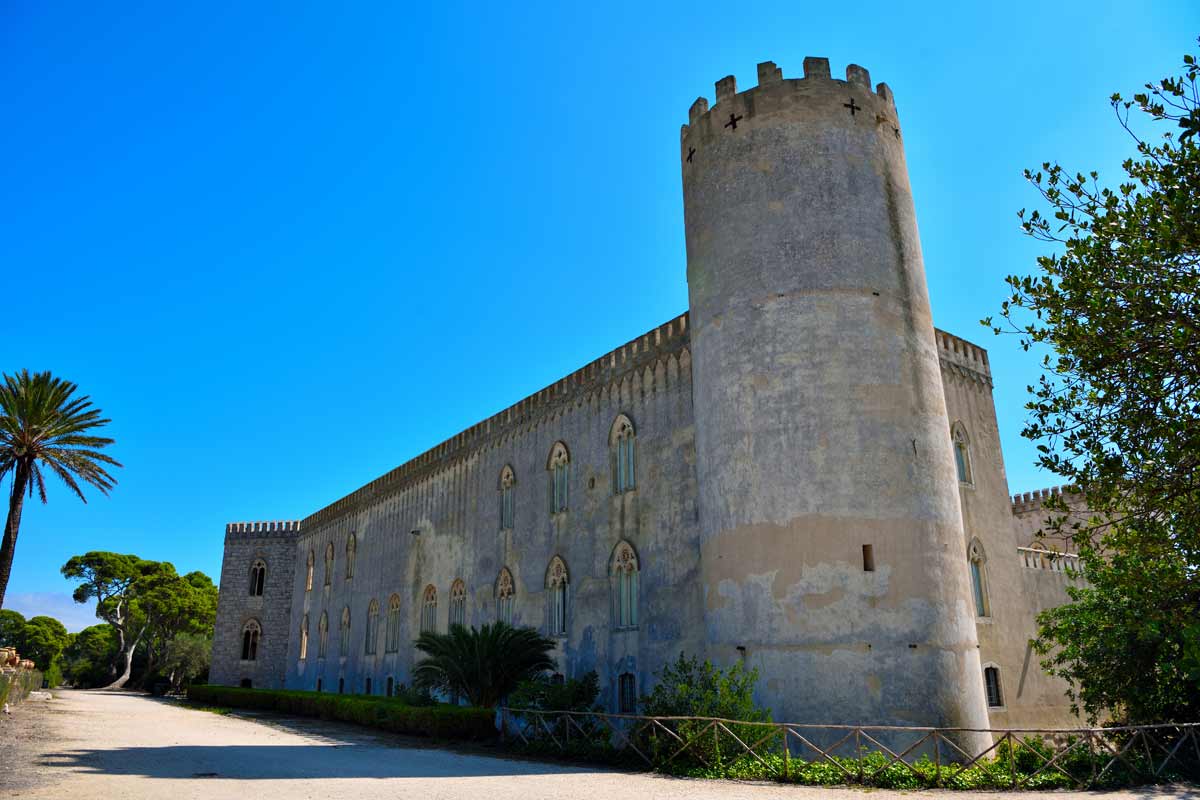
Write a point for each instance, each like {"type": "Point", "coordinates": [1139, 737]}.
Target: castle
{"type": "Point", "coordinates": [799, 472]}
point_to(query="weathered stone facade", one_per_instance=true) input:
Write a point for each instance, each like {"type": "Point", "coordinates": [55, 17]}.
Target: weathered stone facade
{"type": "Point", "coordinates": [803, 481]}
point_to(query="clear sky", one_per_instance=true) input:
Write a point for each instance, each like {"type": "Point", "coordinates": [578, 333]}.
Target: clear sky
{"type": "Point", "coordinates": [288, 246]}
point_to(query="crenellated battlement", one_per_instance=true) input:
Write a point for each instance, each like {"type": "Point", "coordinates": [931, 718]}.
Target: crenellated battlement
{"type": "Point", "coordinates": [250, 530]}
{"type": "Point", "coordinates": [770, 78]}
{"type": "Point", "coordinates": [963, 358]}
{"type": "Point", "coordinates": [1035, 500]}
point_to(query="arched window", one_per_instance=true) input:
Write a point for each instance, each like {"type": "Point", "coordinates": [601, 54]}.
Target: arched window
{"type": "Point", "coordinates": [372, 627]}
{"type": "Point", "coordinates": [323, 635]}
{"type": "Point", "coordinates": [393, 624]}
{"type": "Point", "coordinates": [251, 632]}
{"type": "Point", "coordinates": [344, 631]}
{"type": "Point", "coordinates": [304, 638]}
{"type": "Point", "coordinates": [962, 452]}
{"type": "Point", "coordinates": [978, 564]}
{"type": "Point", "coordinates": [328, 563]}
{"type": "Point", "coordinates": [351, 549]}
{"type": "Point", "coordinates": [622, 448]}
{"type": "Point", "coordinates": [627, 693]}
{"type": "Point", "coordinates": [625, 570]}
{"type": "Point", "coordinates": [258, 576]}
{"type": "Point", "coordinates": [507, 482]}
{"type": "Point", "coordinates": [991, 686]}
{"type": "Point", "coordinates": [557, 465]}
{"type": "Point", "coordinates": [504, 596]}
{"type": "Point", "coordinates": [556, 588]}
{"type": "Point", "coordinates": [458, 603]}
{"type": "Point", "coordinates": [312, 558]}
{"type": "Point", "coordinates": [429, 609]}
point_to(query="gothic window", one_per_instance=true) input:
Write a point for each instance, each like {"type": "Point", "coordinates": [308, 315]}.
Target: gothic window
{"type": "Point", "coordinates": [558, 465]}
{"type": "Point", "coordinates": [309, 574]}
{"type": "Point", "coordinates": [393, 624]}
{"type": "Point", "coordinates": [627, 693]}
{"type": "Point", "coordinates": [250, 635]}
{"type": "Point", "coordinates": [978, 564]}
{"type": "Point", "coordinates": [329, 563]}
{"type": "Point", "coordinates": [625, 570]}
{"type": "Point", "coordinates": [351, 550]}
{"type": "Point", "coordinates": [504, 596]}
{"type": "Point", "coordinates": [429, 609]}
{"type": "Point", "coordinates": [458, 603]}
{"type": "Point", "coordinates": [372, 627]}
{"type": "Point", "coordinates": [304, 638]}
{"type": "Point", "coordinates": [556, 589]}
{"type": "Point", "coordinates": [344, 631]}
{"type": "Point", "coordinates": [507, 482]}
{"type": "Point", "coordinates": [621, 442]}
{"type": "Point", "coordinates": [962, 452]}
{"type": "Point", "coordinates": [991, 685]}
{"type": "Point", "coordinates": [258, 576]}
{"type": "Point", "coordinates": [323, 635]}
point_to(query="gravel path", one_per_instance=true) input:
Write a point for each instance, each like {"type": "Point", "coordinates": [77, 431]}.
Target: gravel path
{"type": "Point", "coordinates": [84, 745]}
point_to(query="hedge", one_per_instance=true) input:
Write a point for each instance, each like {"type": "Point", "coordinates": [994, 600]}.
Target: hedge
{"type": "Point", "coordinates": [16, 686]}
{"type": "Point", "coordinates": [439, 721]}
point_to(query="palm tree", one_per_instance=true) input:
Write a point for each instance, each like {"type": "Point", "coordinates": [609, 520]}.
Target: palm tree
{"type": "Point", "coordinates": [483, 665]}
{"type": "Point", "coordinates": [43, 427]}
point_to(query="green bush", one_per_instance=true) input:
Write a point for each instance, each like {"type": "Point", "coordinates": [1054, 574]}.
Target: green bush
{"type": "Point", "coordinates": [574, 694]}
{"type": "Point", "coordinates": [387, 713]}
{"type": "Point", "coordinates": [16, 686]}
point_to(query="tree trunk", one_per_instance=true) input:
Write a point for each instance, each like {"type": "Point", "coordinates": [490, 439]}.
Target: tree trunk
{"type": "Point", "coordinates": [128, 670]}
{"type": "Point", "coordinates": [16, 502]}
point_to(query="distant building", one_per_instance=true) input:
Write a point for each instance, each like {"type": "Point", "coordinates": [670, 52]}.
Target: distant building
{"type": "Point", "coordinates": [800, 472]}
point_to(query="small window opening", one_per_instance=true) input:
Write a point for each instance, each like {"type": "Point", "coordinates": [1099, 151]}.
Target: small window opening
{"type": "Point", "coordinates": [246, 683]}
{"type": "Point", "coordinates": [868, 558]}
{"type": "Point", "coordinates": [318, 684]}
{"type": "Point", "coordinates": [991, 682]}
{"type": "Point", "coordinates": [341, 685]}
{"type": "Point", "coordinates": [627, 691]}
{"type": "Point", "coordinates": [368, 686]}
{"type": "Point", "coordinates": [391, 686]}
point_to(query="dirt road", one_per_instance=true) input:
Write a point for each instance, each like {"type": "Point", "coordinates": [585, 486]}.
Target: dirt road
{"type": "Point", "coordinates": [85, 745]}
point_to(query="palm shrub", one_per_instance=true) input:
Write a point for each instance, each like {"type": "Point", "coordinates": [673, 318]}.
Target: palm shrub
{"type": "Point", "coordinates": [43, 426]}
{"type": "Point", "coordinates": [482, 665]}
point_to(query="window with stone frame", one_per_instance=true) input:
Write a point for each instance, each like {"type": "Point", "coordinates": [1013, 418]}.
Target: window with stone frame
{"type": "Point", "coordinates": [556, 592]}
{"type": "Point", "coordinates": [258, 578]}
{"type": "Point", "coordinates": [251, 632]}
{"type": "Point", "coordinates": [627, 693]}
{"type": "Point", "coordinates": [623, 455]}
{"type": "Point", "coordinates": [351, 551]}
{"type": "Point", "coordinates": [372, 638]}
{"type": "Point", "coordinates": [625, 571]}
{"type": "Point", "coordinates": [392, 642]}
{"type": "Point", "coordinates": [558, 466]}
{"type": "Point", "coordinates": [344, 633]}
{"type": "Point", "coordinates": [429, 609]}
{"type": "Point", "coordinates": [977, 561]}
{"type": "Point", "coordinates": [991, 686]}
{"type": "Point", "coordinates": [329, 564]}
{"type": "Point", "coordinates": [508, 483]}
{"type": "Point", "coordinates": [323, 635]}
{"type": "Point", "coordinates": [458, 603]}
{"type": "Point", "coordinates": [304, 638]}
{"type": "Point", "coordinates": [504, 596]}
{"type": "Point", "coordinates": [308, 575]}
{"type": "Point", "coordinates": [962, 452]}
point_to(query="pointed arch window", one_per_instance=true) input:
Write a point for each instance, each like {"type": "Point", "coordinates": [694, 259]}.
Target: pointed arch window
{"type": "Point", "coordinates": [962, 452]}
{"type": "Point", "coordinates": [329, 564]}
{"type": "Point", "coordinates": [304, 638]}
{"type": "Point", "coordinates": [308, 575]}
{"type": "Point", "coordinates": [507, 511]}
{"type": "Point", "coordinates": [258, 577]}
{"type": "Point", "coordinates": [351, 551]}
{"type": "Point", "coordinates": [392, 643]}
{"type": "Point", "coordinates": [504, 596]}
{"type": "Point", "coordinates": [991, 686]}
{"type": "Point", "coordinates": [323, 635]}
{"type": "Point", "coordinates": [251, 632]}
{"type": "Point", "coordinates": [978, 565]}
{"type": "Point", "coordinates": [458, 603]}
{"type": "Point", "coordinates": [372, 638]}
{"type": "Point", "coordinates": [625, 570]}
{"type": "Point", "coordinates": [558, 466]}
{"type": "Point", "coordinates": [344, 633]}
{"type": "Point", "coordinates": [556, 588]}
{"type": "Point", "coordinates": [429, 609]}
{"type": "Point", "coordinates": [623, 453]}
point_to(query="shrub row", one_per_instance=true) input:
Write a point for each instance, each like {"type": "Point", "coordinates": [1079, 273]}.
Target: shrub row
{"type": "Point", "coordinates": [439, 721]}
{"type": "Point", "coordinates": [16, 686]}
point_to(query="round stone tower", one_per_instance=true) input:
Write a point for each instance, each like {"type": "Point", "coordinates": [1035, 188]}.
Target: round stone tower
{"type": "Point", "coordinates": [833, 554]}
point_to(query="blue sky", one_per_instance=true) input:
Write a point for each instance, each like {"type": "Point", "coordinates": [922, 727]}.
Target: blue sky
{"type": "Point", "coordinates": [288, 246]}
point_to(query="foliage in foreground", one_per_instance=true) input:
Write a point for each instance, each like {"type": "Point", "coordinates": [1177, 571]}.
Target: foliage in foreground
{"type": "Point", "coordinates": [1116, 413]}
{"type": "Point", "coordinates": [15, 687]}
{"type": "Point", "coordinates": [483, 665]}
{"type": "Point", "coordinates": [573, 694]}
{"type": "Point", "coordinates": [386, 713]}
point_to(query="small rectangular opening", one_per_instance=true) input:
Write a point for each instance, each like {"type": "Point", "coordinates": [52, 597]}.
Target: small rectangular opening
{"type": "Point", "coordinates": [868, 558]}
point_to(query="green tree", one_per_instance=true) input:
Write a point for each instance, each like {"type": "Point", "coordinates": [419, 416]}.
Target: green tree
{"type": "Point", "coordinates": [1116, 412]}
{"type": "Point", "coordinates": [187, 658]}
{"type": "Point", "coordinates": [44, 427]}
{"type": "Point", "coordinates": [89, 657]}
{"type": "Point", "coordinates": [175, 606]}
{"type": "Point", "coordinates": [483, 665]}
{"type": "Point", "coordinates": [45, 639]}
{"type": "Point", "coordinates": [12, 629]}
